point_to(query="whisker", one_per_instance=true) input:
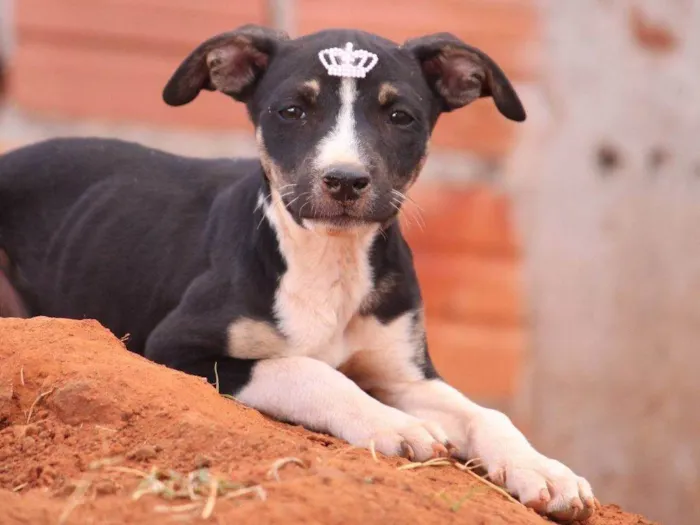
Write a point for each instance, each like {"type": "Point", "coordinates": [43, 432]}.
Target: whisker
{"type": "Point", "coordinates": [400, 212]}
{"type": "Point", "coordinates": [416, 212]}
{"type": "Point", "coordinates": [261, 219]}
{"type": "Point", "coordinates": [289, 204]}
{"type": "Point", "coordinates": [410, 215]}
{"type": "Point", "coordinates": [405, 196]}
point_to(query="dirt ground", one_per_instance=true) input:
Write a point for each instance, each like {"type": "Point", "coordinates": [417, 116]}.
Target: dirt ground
{"type": "Point", "coordinates": [90, 433]}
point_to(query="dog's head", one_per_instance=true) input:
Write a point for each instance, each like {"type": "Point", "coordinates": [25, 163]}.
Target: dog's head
{"type": "Point", "coordinates": [342, 150]}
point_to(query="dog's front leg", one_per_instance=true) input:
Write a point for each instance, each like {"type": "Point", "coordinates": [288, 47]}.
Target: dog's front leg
{"type": "Point", "coordinates": [490, 438]}
{"type": "Point", "coordinates": [308, 392]}
{"type": "Point", "coordinates": [394, 367]}
{"type": "Point", "coordinates": [299, 390]}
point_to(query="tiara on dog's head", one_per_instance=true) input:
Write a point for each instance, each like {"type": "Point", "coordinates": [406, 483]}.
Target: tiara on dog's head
{"type": "Point", "coordinates": [346, 62]}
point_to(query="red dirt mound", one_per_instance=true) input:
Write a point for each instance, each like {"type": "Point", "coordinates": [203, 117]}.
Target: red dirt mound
{"type": "Point", "coordinates": [86, 428]}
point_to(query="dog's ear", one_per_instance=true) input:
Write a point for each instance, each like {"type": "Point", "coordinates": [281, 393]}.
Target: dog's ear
{"type": "Point", "coordinates": [460, 74]}
{"type": "Point", "coordinates": [231, 62]}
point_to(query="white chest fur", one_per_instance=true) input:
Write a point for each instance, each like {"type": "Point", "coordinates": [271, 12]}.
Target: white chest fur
{"type": "Point", "coordinates": [328, 276]}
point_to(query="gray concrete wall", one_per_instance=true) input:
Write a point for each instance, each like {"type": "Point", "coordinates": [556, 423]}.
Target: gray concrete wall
{"type": "Point", "coordinates": [607, 187]}
{"type": "Point", "coordinates": [6, 33]}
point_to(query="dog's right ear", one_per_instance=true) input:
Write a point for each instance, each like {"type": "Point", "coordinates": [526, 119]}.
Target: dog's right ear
{"type": "Point", "coordinates": [459, 74]}
{"type": "Point", "coordinates": [231, 62]}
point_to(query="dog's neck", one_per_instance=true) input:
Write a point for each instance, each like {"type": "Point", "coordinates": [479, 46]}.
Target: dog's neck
{"type": "Point", "coordinates": [328, 276]}
{"type": "Point", "coordinates": [313, 235]}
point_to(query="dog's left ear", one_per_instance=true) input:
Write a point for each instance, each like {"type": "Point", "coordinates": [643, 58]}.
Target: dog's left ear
{"type": "Point", "coordinates": [460, 74]}
{"type": "Point", "coordinates": [231, 62]}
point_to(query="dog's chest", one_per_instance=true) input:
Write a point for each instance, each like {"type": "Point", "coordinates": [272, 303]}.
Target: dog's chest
{"type": "Point", "coordinates": [326, 280]}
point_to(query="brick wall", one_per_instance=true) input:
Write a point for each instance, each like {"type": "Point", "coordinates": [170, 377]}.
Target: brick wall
{"type": "Point", "coordinates": [468, 264]}
{"type": "Point", "coordinates": [107, 61]}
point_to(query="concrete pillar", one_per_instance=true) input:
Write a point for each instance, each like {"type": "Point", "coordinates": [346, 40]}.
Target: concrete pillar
{"type": "Point", "coordinates": [607, 188]}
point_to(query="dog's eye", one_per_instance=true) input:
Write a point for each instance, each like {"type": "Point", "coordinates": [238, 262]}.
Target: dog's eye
{"type": "Point", "coordinates": [400, 118]}
{"type": "Point", "coordinates": [292, 113]}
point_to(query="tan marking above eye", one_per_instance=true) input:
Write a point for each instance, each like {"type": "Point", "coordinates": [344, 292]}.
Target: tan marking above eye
{"type": "Point", "coordinates": [387, 93]}
{"type": "Point", "coordinates": [311, 89]}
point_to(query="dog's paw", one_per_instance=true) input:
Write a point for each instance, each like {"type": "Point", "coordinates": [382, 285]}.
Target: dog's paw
{"type": "Point", "coordinates": [546, 485]}
{"type": "Point", "coordinates": [407, 436]}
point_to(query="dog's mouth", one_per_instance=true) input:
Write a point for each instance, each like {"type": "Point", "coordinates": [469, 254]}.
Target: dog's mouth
{"type": "Point", "coordinates": [333, 214]}
{"type": "Point", "coordinates": [342, 221]}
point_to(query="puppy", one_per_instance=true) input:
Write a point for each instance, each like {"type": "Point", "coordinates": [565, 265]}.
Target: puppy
{"type": "Point", "coordinates": [289, 272]}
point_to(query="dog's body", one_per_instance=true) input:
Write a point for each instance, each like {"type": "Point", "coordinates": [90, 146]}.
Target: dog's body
{"type": "Point", "coordinates": [288, 273]}
{"type": "Point", "coordinates": [171, 226]}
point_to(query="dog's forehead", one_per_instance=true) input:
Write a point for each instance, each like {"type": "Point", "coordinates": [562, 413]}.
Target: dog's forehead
{"type": "Point", "coordinates": [303, 62]}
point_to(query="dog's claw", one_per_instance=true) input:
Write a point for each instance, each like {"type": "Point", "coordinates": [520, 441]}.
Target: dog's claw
{"type": "Point", "coordinates": [439, 450]}
{"type": "Point", "coordinates": [451, 449]}
{"type": "Point", "coordinates": [407, 451]}
{"type": "Point", "coordinates": [539, 504]}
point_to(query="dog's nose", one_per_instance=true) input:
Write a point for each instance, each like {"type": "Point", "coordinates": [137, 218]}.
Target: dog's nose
{"type": "Point", "coordinates": [346, 183]}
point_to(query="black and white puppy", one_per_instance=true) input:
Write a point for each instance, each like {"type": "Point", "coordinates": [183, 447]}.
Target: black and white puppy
{"type": "Point", "coordinates": [288, 272]}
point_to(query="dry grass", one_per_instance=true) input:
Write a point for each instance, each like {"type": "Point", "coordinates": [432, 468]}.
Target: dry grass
{"type": "Point", "coordinates": [36, 402]}
{"type": "Point", "coordinates": [455, 505]}
{"type": "Point", "coordinates": [467, 467]}
{"type": "Point", "coordinates": [199, 490]}
{"type": "Point", "coordinates": [373, 451]}
{"type": "Point", "coordinates": [277, 465]}
{"type": "Point", "coordinates": [216, 382]}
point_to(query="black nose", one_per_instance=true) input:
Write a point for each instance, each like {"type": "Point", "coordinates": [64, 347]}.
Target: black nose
{"type": "Point", "coordinates": [346, 183]}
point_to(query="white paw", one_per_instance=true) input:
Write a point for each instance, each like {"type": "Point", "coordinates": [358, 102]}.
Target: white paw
{"type": "Point", "coordinates": [398, 434]}
{"type": "Point", "coordinates": [546, 485]}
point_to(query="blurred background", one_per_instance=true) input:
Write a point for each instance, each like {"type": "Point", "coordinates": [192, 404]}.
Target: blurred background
{"type": "Point", "coordinates": [559, 258]}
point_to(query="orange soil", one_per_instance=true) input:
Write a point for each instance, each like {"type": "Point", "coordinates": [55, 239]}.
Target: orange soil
{"type": "Point", "coordinates": [103, 402]}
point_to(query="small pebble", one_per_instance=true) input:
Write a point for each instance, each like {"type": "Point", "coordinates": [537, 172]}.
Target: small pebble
{"type": "Point", "coordinates": [143, 453]}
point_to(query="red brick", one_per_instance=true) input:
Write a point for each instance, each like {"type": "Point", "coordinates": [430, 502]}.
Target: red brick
{"type": "Point", "coordinates": [153, 25]}
{"type": "Point", "coordinates": [478, 128]}
{"type": "Point", "coordinates": [110, 59]}
{"type": "Point", "coordinates": [481, 361]}
{"type": "Point", "coordinates": [468, 288]}
{"type": "Point", "coordinates": [457, 219]}
{"type": "Point", "coordinates": [83, 82]}
{"type": "Point", "coordinates": [498, 28]}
